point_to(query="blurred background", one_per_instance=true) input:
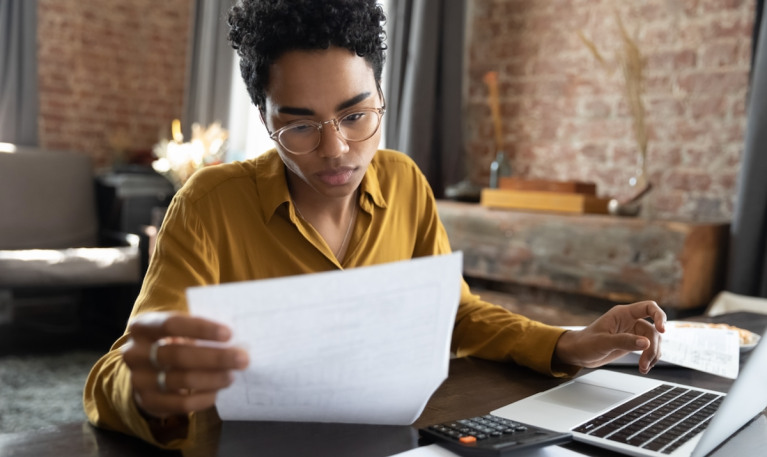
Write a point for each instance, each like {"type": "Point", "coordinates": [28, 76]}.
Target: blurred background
{"type": "Point", "coordinates": [107, 107]}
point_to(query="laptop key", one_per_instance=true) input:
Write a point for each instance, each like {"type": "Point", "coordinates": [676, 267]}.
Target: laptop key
{"type": "Point", "coordinates": [604, 431]}
{"type": "Point", "coordinates": [653, 445]}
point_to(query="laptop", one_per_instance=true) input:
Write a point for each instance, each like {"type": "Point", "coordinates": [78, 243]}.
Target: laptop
{"type": "Point", "coordinates": [639, 416]}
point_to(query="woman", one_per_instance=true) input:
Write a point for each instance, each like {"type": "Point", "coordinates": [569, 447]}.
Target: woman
{"type": "Point", "coordinates": [325, 199]}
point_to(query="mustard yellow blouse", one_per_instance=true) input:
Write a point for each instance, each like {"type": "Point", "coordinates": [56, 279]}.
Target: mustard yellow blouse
{"type": "Point", "coordinates": [236, 222]}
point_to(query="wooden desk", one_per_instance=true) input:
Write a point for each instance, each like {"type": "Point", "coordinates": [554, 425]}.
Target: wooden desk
{"type": "Point", "coordinates": [474, 387]}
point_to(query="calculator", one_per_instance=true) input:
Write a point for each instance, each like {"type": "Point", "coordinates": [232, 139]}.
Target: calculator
{"type": "Point", "coordinates": [491, 436]}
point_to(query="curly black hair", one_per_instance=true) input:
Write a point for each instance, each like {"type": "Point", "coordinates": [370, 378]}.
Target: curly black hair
{"type": "Point", "coordinates": [263, 30]}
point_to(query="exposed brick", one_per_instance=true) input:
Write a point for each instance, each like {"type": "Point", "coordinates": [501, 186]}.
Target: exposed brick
{"type": "Point", "coordinates": [720, 54]}
{"type": "Point", "coordinates": [107, 66]}
{"type": "Point", "coordinates": [664, 156]}
{"type": "Point", "coordinates": [595, 108]}
{"type": "Point", "coordinates": [689, 180]}
{"type": "Point", "coordinates": [708, 106]}
{"type": "Point", "coordinates": [707, 82]}
{"type": "Point", "coordinates": [595, 152]}
{"type": "Point", "coordinates": [716, 6]}
{"type": "Point", "coordinates": [570, 119]}
{"type": "Point", "coordinates": [739, 27]}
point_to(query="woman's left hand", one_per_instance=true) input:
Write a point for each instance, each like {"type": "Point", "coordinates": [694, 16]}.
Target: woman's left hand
{"type": "Point", "coordinates": [619, 331]}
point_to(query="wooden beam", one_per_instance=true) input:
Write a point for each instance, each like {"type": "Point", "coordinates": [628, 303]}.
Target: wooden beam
{"type": "Point", "coordinates": [678, 264]}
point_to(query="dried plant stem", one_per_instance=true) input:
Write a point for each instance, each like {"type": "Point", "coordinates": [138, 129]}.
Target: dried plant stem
{"type": "Point", "coordinates": [632, 65]}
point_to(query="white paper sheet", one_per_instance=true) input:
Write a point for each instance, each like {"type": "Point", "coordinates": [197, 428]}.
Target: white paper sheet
{"type": "Point", "coordinates": [368, 345]}
{"type": "Point", "coordinates": [436, 451]}
{"type": "Point", "coordinates": [711, 350]}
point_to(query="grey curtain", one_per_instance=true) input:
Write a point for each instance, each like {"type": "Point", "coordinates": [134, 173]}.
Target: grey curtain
{"type": "Point", "coordinates": [210, 58]}
{"type": "Point", "coordinates": [424, 86]}
{"type": "Point", "coordinates": [18, 72]}
{"type": "Point", "coordinates": [748, 250]}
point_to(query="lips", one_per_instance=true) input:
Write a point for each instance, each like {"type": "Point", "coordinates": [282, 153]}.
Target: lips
{"type": "Point", "coordinates": [336, 176]}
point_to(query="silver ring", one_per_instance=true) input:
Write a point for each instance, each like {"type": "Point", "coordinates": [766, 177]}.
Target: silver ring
{"type": "Point", "coordinates": [153, 353]}
{"type": "Point", "coordinates": [161, 381]}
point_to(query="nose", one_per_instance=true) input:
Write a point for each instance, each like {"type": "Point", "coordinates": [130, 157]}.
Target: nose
{"type": "Point", "coordinates": [332, 144]}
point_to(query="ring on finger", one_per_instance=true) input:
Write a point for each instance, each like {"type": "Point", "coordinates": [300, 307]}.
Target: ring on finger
{"type": "Point", "coordinates": [153, 353]}
{"type": "Point", "coordinates": [161, 381]}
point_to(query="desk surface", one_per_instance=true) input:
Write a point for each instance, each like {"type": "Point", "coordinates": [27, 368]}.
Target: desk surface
{"type": "Point", "coordinates": [473, 388]}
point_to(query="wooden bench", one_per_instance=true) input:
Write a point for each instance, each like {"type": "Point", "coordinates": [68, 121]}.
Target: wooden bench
{"type": "Point", "coordinates": [678, 264]}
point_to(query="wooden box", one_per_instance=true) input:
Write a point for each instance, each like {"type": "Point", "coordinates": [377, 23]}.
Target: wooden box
{"type": "Point", "coordinates": [544, 201]}
{"type": "Point", "coordinates": [542, 185]}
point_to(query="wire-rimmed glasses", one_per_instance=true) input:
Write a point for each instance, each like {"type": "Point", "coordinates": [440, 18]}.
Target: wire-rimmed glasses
{"type": "Point", "coordinates": [303, 137]}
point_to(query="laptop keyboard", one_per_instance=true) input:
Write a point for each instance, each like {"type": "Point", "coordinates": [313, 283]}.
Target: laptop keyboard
{"type": "Point", "coordinates": [661, 420]}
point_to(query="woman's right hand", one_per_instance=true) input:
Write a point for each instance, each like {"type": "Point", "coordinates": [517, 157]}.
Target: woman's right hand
{"type": "Point", "coordinates": [193, 373]}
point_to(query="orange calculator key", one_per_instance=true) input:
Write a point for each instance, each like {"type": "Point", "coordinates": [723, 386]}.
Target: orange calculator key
{"type": "Point", "coordinates": [467, 439]}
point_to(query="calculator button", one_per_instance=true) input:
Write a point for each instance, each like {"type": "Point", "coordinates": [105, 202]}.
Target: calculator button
{"type": "Point", "coordinates": [464, 429]}
{"type": "Point", "coordinates": [468, 439]}
{"type": "Point", "coordinates": [495, 434]}
{"type": "Point", "coordinates": [481, 436]}
{"type": "Point", "coordinates": [508, 430]}
{"type": "Point", "coordinates": [489, 416]}
{"type": "Point", "coordinates": [520, 428]}
{"type": "Point", "coordinates": [476, 419]}
{"type": "Point", "coordinates": [455, 425]}
{"type": "Point", "coordinates": [464, 421]}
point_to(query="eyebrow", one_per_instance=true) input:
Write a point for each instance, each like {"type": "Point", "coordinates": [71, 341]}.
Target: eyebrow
{"type": "Point", "coordinates": [307, 112]}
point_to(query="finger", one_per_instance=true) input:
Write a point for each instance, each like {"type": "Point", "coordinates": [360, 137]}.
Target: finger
{"type": "Point", "coordinates": [155, 325]}
{"type": "Point", "coordinates": [622, 342]}
{"type": "Point", "coordinates": [189, 357]}
{"type": "Point", "coordinates": [177, 380]}
{"type": "Point", "coordinates": [652, 352]}
{"type": "Point", "coordinates": [169, 404]}
{"type": "Point", "coordinates": [649, 309]}
{"type": "Point", "coordinates": [185, 357]}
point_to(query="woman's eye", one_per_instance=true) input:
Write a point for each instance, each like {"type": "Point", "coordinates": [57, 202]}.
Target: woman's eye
{"type": "Point", "coordinates": [354, 117]}
{"type": "Point", "coordinates": [301, 128]}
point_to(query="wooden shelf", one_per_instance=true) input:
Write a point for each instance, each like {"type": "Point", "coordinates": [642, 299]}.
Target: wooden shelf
{"type": "Point", "coordinates": [678, 264]}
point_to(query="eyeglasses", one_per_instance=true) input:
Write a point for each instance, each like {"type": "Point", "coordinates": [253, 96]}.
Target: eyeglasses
{"type": "Point", "coordinates": [303, 137]}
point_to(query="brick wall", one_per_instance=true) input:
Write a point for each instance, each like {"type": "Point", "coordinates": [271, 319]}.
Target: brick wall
{"type": "Point", "coordinates": [565, 118]}
{"type": "Point", "coordinates": [111, 73]}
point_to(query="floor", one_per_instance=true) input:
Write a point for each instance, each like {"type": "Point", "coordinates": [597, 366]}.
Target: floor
{"type": "Point", "coordinates": [42, 374]}
{"type": "Point", "coordinates": [42, 390]}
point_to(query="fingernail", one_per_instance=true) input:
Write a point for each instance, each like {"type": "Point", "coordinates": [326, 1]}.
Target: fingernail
{"type": "Point", "coordinates": [241, 359]}
{"type": "Point", "coordinates": [642, 343]}
{"type": "Point", "coordinates": [223, 333]}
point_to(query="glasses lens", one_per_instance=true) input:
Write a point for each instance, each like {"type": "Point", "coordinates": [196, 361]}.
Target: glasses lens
{"type": "Point", "coordinates": [300, 138]}
{"type": "Point", "coordinates": [360, 126]}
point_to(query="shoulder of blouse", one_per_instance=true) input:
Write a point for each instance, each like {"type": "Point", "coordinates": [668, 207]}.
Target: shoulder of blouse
{"type": "Point", "coordinates": [208, 179]}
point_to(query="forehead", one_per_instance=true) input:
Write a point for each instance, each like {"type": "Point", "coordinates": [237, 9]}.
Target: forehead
{"type": "Point", "coordinates": [318, 79]}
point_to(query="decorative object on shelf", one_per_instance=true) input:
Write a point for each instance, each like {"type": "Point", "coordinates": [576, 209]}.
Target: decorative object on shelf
{"type": "Point", "coordinates": [630, 206]}
{"type": "Point", "coordinates": [177, 160]}
{"type": "Point", "coordinates": [632, 64]}
{"type": "Point", "coordinates": [500, 166]}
